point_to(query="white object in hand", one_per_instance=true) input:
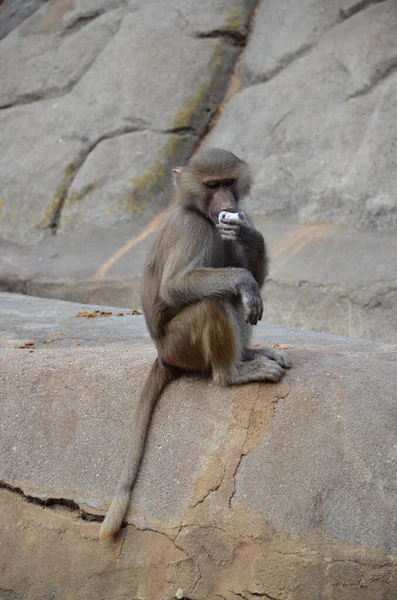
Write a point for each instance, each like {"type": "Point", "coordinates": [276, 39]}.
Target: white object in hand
{"type": "Point", "coordinates": [229, 217]}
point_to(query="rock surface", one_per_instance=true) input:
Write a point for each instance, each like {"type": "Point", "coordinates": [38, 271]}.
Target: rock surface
{"type": "Point", "coordinates": [327, 149]}
{"type": "Point", "coordinates": [100, 99]}
{"type": "Point", "coordinates": [15, 12]}
{"type": "Point", "coordinates": [283, 491]}
{"type": "Point", "coordinates": [141, 78]}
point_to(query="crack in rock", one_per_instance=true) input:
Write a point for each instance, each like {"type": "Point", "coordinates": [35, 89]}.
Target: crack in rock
{"type": "Point", "coordinates": [72, 507]}
{"type": "Point", "coordinates": [211, 490]}
{"type": "Point", "coordinates": [258, 422]}
{"type": "Point", "coordinates": [243, 451]}
{"type": "Point", "coordinates": [199, 573]}
{"type": "Point", "coordinates": [230, 89]}
{"type": "Point", "coordinates": [176, 130]}
{"type": "Point", "coordinates": [290, 58]}
{"type": "Point", "coordinates": [82, 20]}
{"type": "Point", "coordinates": [247, 595]}
{"type": "Point", "coordinates": [66, 503]}
{"type": "Point", "coordinates": [346, 13]}
{"type": "Point", "coordinates": [381, 74]}
{"type": "Point", "coordinates": [284, 62]}
{"type": "Point", "coordinates": [236, 37]}
{"type": "Point", "coordinates": [253, 413]}
{"type": "Point", "coordinates": [73, 168]}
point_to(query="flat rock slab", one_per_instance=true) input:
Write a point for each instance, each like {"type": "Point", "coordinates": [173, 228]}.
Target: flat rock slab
{"type": "Point", "coordinates": [325, 277]}
{"type": "Point", "coordinates": [258, 489]}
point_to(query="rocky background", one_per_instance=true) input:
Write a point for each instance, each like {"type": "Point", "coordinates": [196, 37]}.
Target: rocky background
{"type": "Point", "coordinates": [277, 492]}
{"type": "Point", "coordinates": [100, 99]}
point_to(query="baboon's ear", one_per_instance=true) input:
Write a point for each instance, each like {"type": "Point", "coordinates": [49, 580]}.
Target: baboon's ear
{"type": "Point", "coordinates": [176, 174]}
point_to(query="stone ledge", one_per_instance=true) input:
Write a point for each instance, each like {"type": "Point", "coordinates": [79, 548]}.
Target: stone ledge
{"type": "Point", "coordinates": [252, 491]}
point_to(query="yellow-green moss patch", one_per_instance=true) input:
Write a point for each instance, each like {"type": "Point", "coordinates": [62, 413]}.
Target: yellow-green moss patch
{"type": "Point", "coordinates": [185, 115]}
{"type": "Point", "coordinates": [234, 20]}
{"type": "Point", "coordinates": [154, 177]}
{"type": "Point", "coordinates": [51, 211]}
{"type": "Point", "coordinates": [78, 196]}
{"type": "Point", "coordinates": [152, 180]}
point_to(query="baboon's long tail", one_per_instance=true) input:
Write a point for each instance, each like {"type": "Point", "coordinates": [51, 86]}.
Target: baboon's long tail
{"type": "Point", "coordinates": [159, 376]}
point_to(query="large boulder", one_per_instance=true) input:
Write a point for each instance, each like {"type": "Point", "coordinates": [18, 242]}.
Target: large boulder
{"type": "Point", "coordinates": [84, 80]}
{"type": "Point", "coordinates": [319, 125]}
{"type": "Point", "coordinates": [258, 491]}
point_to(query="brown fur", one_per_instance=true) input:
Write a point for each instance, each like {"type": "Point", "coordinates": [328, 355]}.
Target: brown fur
{"type": "Point", "coordinates": [200, 293]}
{"type": "Point", "coordinates": [211, 340]}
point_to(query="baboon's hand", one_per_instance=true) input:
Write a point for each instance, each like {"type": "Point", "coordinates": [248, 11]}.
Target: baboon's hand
{"type": "Point", "coordinates": [252, 303]}
{"type": "Point", "coordinates": [238, 231]}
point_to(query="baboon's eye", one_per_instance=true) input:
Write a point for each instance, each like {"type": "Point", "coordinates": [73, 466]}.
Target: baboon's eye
{"type": "Point", "coordinates": [212, 185]}
{"type": "Point", "coordinates": [228, 182]}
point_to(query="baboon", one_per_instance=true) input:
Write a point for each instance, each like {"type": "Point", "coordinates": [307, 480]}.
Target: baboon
{"type": "Point", "coordinates": [201, 296]}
